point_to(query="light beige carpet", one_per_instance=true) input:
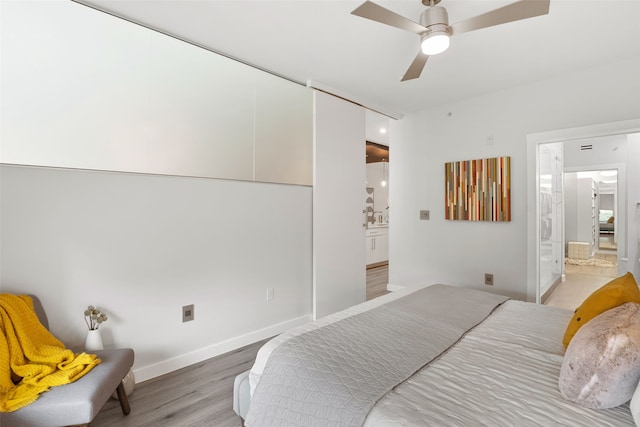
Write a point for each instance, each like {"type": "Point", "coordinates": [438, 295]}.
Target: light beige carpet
{"type": "Point", "coordinates": [591, 262]}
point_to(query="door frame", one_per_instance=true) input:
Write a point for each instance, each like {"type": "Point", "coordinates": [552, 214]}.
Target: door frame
{"type": "Point", "coordinates": [533, 186]}
{"type": "Point", "coordinates": [621, 200]}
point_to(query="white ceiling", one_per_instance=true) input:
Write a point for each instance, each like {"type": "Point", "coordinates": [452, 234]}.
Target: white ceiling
{"type": "Point", "coordinates": [320, 40]}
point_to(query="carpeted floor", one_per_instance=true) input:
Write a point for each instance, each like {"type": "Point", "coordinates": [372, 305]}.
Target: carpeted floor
{"type": "Point", "coordinates": [591, 262]}
{"type": "Point", "coordinates": [600, 265]}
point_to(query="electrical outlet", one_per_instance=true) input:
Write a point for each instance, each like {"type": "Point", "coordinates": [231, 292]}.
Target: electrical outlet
{"type": "Point", "coordinates": [187, 313]}
{"type": "Point", "coordinates": [269, 294]}
{"type": "Point", "coordinates": [424, 215]}
{"type": "Point", "coordinates": [488, 279]}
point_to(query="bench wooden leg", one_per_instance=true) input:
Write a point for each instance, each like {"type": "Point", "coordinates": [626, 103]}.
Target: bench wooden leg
{"type": "Point", "coordinates": [122, 397]}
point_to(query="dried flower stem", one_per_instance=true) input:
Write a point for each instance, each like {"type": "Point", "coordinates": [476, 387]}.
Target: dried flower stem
{"type": "Point", "coordinates": [93, 317]}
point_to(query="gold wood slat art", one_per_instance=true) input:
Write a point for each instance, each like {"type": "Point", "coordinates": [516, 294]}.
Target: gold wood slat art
{"type": "Point", "coordinates": [478, 190]}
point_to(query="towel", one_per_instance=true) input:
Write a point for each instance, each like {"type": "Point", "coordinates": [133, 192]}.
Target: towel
{"type": "Point", "coordinates": [32, 360]}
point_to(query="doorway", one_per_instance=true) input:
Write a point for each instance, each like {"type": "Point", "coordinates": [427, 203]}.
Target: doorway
{"type": "Point", "coordinates": [607, 212]}
{"type": "Point", "coordinates": [577, 136]}
{"type": "Point", "coordinates": [377, 205]}
{"type": "Point", "coordinates": [590, 209]}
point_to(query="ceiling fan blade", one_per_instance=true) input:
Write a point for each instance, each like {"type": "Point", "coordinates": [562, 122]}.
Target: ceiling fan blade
{"type": "Point", "coordinates": [377, 13]}
{"type": "Point", "coordinates": [522, 9]}
{"type": "Point", "coordinates": [415, 69]}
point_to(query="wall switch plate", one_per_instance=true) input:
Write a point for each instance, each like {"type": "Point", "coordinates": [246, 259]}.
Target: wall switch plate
{"type": "Point", "coordinates": [270, 294]}
{"type": "Point", "coordinates": [424, 215]}
{"type": "Point", "coordinates": [187, 313]}
{"type": "Point", "coordinates": [488, 279]}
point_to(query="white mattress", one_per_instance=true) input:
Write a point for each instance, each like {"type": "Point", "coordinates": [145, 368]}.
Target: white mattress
{"type": "Point", "coordinates": [496, 375]}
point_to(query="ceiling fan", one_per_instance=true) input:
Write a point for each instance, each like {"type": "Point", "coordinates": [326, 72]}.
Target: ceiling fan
{"type": "Point", "coordinates": [434, 29]}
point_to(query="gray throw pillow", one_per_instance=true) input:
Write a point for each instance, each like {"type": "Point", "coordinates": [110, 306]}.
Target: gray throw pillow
{"type": "Point", "coordinates": [601, 367]}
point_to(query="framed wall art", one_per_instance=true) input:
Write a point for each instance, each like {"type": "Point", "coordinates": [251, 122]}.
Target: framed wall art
{"type": "Point", "coordinates": [478, 190]}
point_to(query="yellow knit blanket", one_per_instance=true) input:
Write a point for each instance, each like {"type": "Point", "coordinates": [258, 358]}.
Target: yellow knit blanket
{"type": "Point", "coordinates": [31, 359]}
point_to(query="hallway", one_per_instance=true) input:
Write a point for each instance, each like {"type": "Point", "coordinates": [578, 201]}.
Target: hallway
{"type": "Point", "coordinates": [576, 287]}
{"type": "Point", "coordinates": [582, 278]}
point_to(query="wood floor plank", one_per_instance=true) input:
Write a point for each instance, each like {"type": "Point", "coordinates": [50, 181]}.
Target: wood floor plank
{"type": "Point", "coordinates": [193, 396]}
{"type": "Point", "coordinates": [201, 394]}
{"type": "Point", "coordinates": [377, 280]}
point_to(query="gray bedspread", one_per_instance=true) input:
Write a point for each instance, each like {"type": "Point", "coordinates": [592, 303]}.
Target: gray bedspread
{"type": "Point", "coordinates": [334, 375]}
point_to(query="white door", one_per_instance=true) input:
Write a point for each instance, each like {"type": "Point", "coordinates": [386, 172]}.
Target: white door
{"type": "Point", "coordinates": [551, 216]}
{"type": "Point", "coordinates": [339, 276]}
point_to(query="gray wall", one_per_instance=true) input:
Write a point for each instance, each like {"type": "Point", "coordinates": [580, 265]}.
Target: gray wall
{"type": "Point", "coordinates": [142, 246]}
{"type": "Point", "coordinates": [606, 201]}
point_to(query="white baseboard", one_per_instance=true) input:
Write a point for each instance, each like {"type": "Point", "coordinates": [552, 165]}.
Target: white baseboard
{"type": "Point", "coordinates": [394, 288]}
{"type": "Point", "coordinates": [151, 371]}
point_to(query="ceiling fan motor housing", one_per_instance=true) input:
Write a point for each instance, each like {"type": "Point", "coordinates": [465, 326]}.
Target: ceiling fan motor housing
{"type": "Point", "coordinates": [435, 19]}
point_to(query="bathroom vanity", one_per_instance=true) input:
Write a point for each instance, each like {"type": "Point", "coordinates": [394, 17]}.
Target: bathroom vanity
{"type": "Point", "coordinates": [377, 244]}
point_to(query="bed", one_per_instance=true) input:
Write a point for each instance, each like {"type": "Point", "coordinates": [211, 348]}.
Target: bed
{"type": "Point", "coordinates": [435, 356]}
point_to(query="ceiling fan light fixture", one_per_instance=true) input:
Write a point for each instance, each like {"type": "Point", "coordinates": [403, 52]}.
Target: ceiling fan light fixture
{"type": "Point", "coordinates": [435, 42]}
{"type": "Point", "coordinates": [436, 39]}
{"type": "Point", "coordinates": [434, 29]}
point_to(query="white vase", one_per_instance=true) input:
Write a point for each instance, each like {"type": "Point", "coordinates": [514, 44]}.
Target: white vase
{"type": "Point", "coordinates": [93, 341]}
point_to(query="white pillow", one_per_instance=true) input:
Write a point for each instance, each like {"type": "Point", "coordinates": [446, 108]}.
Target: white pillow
{"type": "Point", "coordinates": [601, 366]}
{"type": "Point", "coordinates": [635, 405]}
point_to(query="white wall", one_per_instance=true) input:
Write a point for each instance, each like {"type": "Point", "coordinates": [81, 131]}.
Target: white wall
{"type": "Point", "coordinates": [606, 201]}
{"type": "Point", "coordinates": [633, 206]}
{"type": "Point", "coordinates": [496, 124]}
{"type": "Point", "coordinates": [142, 246]}
{"type": "Point", "coordinates": [570, 207]}
{"type": "Point", "coordinates": [609, 150]}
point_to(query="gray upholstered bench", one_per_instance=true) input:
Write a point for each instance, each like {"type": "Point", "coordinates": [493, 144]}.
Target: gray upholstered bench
{"type": "Point", "coordinates": [79, 402]}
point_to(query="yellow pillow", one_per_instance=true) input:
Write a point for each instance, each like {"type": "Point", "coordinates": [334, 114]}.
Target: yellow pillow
{"type": "Point", "coordinates": [615, 293]}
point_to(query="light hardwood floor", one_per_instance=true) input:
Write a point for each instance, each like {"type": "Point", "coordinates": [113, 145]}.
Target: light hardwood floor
{"type": "Point", "coordinates": [198, 395]}
{"type": "Point", "coordinates": [202, 394]}
{"type": "Point", "coordinates": [576, 287]}
{"type": "Point", "coordinates": [581, 281]}
{"type": "Point", "coordinates": [377, 280]}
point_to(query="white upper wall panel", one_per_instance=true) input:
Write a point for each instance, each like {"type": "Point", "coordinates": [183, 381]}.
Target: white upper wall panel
{"type": "Point", "coordinates": [202, 108]}
{"type": "Point", "coordinates": [83, 90]}
{"type": "Point", "coordinates": [283, 131]}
